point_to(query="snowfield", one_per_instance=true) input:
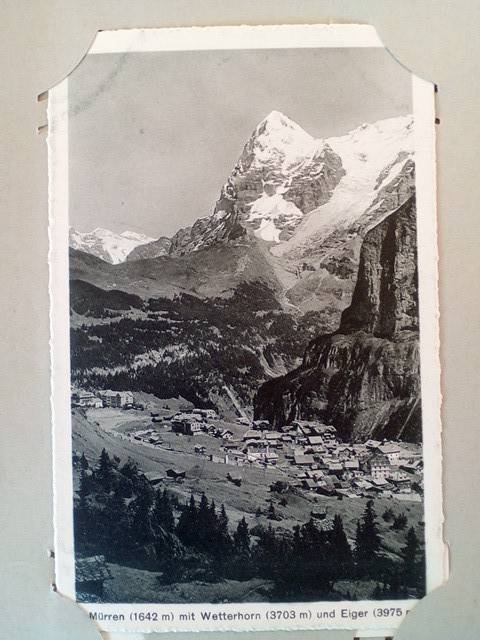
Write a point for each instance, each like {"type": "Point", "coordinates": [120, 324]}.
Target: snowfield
{"type": "Point", "coordinates": [365, 152]}
{"type": "Point", "coordinates": [107, 245]}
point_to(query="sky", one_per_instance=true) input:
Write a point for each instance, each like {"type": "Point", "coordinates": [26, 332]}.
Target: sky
{"type": "Point", "coordinates": [153, 136]}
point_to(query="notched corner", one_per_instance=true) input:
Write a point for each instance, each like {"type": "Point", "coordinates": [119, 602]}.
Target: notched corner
{"type": "Point", "coordinates": [404, 66]}
{"type": "Point", "coordinates": [44, 95]}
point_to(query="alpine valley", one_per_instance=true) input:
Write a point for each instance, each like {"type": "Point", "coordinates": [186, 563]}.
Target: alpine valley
{"type": "Point", "coordinates": [295, 298]}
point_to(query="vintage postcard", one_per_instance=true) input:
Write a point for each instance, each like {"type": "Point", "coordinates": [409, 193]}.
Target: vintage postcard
{"type": "Point", "coordinates": [245, 366]}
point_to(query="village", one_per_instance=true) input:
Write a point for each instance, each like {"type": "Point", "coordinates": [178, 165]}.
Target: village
{"type": "Point", "coordinates": [308, 456]}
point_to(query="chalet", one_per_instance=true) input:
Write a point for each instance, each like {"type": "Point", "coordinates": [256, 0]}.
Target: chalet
{"type": "Point", "coordinates": [352, 465]}
{"type": "Point", "coordinates": [261, 425]}
{"type": "Point", "coordinates": [154, 477]}
{"type": "Point", "coordinates": [85, 399]}
{"type": "Point", "coordinates": [326, 487]}
{"type": "Point", "coordinates": [271, 440]}
{"type": "Point", "coordinates": [175, 473]}
{"type": "Point", "coordinates": [391, 451]}
{"type": "Point", "coordinates": [251, 434]}
{"type": "Point", "coordinates": [188, 425]}
{"type": "Point", "coordinates": [117, 399]}
{"type": "Point", "coordinates": [199, 449]}
{"type": "Point", "coordinates": [226, 434]}
{"type": "Point", "coordinates": [320, 514]}
{"type": "Point", "coordinates": [90, 575]}
{"type": "Point", "coordinates": [253, 444]}
{"type": "Point", "coordinates": [315, 441]}
{"type": "Point", "coordinates": [235, 457]}
{"type": "Point", "coordinates": [379, 467]}
{"type": "Point", "coordinates": [269, 457]}
{"type": "Point", "coordinates": [372, 444]}
{"type": "Point", "coordinates": [401, 481]}
{"type": "Point", "coordinates": [412, 467]}
{"type": "Point", "coordinates": [303, 460]}
{"type": "Point", "coordinates": [335, 468]}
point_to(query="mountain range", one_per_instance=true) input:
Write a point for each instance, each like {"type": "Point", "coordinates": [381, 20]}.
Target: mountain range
{"type": "Point", "coordinates": [107, 245]}
{"type": "Point", "coordinates": [300, 203]}
{"type": "Point", "coordinates": [288, 227]}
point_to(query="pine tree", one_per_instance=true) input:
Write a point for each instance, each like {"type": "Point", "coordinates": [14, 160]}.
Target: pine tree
{"type": "Point", "coordinates": [82, 513]}
{"type": "Point", "coordinates": [141, 529]}
{"type": "Point", "coordinates": [367, 544]}
{"type": "Point", "coordinates": [400, 522]}
{"type": "Point", "coordinates": [241, 537]}
{"type": "Point", "coordinates": [341, 552]}
{"type": "Point", "coordinates": [388, 515]}
{"type": "Point", "coordinates": [84, 462]}
{"type": "Point", "coordinates": [115, 531]}
{"type": "Point", "coordinates": [267, 552]}
{"type": "Point", "coordinates": [162, 514]}
{"type": "Point", "coordinates": [224, 541]}
{"type": "Point", "coordinates": [204, 528]}
{"type": "Point", "coordinates": [187, 529]}
{"type": "Point", "coordinates": [104, 472]}
{"type": "Point", "coordinates": [410, 567]}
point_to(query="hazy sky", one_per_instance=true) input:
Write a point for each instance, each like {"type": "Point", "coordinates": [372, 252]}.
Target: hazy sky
{"type": "Point", "coordinates": [153, 136]}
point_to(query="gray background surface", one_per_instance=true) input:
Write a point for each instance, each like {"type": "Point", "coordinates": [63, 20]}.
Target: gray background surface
{"type": "Point", "coordinates": [41, 42]}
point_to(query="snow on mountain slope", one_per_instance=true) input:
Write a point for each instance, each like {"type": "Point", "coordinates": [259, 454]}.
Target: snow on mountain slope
{"type": "Point", "coordinates": [107, 245]}
{"type": "Point", "coordinates": [372, 156]}
{"type": "Point", "coordinates": [275, 214]}
{"type": "Point", "coordinates": [279, 141]}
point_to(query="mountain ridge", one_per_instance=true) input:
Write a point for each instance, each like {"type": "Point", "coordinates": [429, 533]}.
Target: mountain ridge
{"type": "Point", "coordinates": [107, 245]}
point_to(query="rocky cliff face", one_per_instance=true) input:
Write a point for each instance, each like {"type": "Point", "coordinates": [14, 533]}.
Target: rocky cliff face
{"type": "Point", "coordinates": [364, 378]}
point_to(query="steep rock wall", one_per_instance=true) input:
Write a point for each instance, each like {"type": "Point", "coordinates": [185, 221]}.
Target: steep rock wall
{"type": "Point", "coordinates": [365, 377]}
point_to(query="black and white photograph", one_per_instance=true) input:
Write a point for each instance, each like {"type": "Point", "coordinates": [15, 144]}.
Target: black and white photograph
{"type": "Point", "coordinates": [245, 384]}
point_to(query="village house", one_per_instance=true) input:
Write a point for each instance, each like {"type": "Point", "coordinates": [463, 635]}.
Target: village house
{"type": "Point", "coordinates": [303, 460]}
{"type": "Point", "coordinates": [187, 425]}
{"type": "Point", "coordinates": [251, 434]}
{"type": "Point", "coordinates": [372, 444]}
{"type": "Point", "coordinates": [269, 457]}
{"type": "Point", "coordinates": [379, 467]}
{"type": "Point", "coordinates": [412, 466]}
{"type": "Point", "coordinates": [352, 468]}
{"type": "Point", "coordinates": [391, 451]}
{"type": "Point", "coordinates": [117, 399]}
{"type": "Point", "coordinates": [176, 474]}
{"type": "Point", "coordinates": [326, 487]}
{"type": "Point", "coordinates": [85, 399]}
{"type": "Point", "coordinates": [154, 477]}
{"type": "Point", "coordinates": [261, 425]}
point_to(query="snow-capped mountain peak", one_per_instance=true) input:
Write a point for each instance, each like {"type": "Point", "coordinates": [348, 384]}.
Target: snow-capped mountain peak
{"type": "Point", "coordinates": [278, 141]}
{"type": "Point", "coordinates": [276, 122]}
{"type": "Point", "coordinates": [107, 245]}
